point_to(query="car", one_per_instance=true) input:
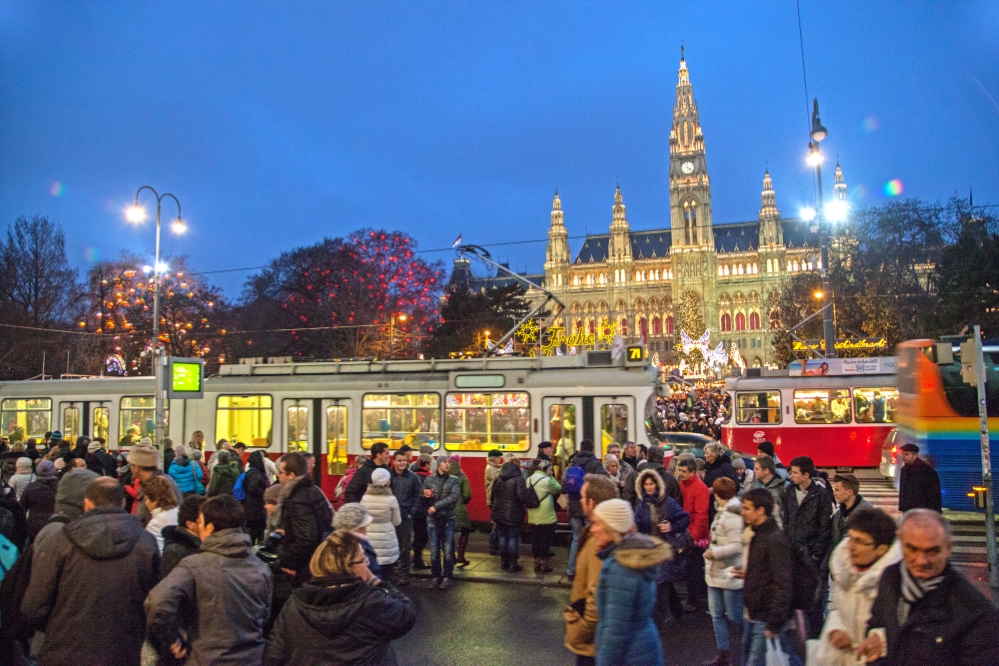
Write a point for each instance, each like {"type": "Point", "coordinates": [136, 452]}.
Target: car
{"type": "Point", "coordinates": [676, 443]}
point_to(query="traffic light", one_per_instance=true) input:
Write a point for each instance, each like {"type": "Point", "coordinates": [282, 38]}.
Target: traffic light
{"type": "Point", "coordinates": [969, 364]}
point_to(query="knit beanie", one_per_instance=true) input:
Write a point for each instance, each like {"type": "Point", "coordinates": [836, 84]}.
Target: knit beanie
{"type": "Point", "coordinates": [739, 463]}
{"type": "Point", "coordinates": [616, 514]}
{"type": "Point", "coordinates": [441, 460]}
{"type": "Point", "coordinates": [46, 468]}
{"type": "Point", "coordinates": [93, 447]}
{"type": "Point", "coordinates": [767, 448]}
{"type": "Point", "coordinates": [380, 477]}
{"type": "Point", "coordinates": [69, 494]}
{"type": "Point", "coordinates": [22, 466]}
{"type": "Point", "coordinates": [351, 517]}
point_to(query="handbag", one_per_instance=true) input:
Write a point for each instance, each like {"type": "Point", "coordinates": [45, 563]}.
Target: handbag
{"type": "Point", "coordinates": [563, 501]}
{"type": "Point", "coordinates": [775, 655]}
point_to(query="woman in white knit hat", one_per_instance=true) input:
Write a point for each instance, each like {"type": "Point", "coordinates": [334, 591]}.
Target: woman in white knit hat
{"type": "Point", "coordinates": [626, 591]}
{"type": "Point", "coordinates": [383, 508]}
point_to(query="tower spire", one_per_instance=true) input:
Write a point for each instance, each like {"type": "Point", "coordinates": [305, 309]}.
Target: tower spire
{"type": "Point", "coordinates": [839, 187]}
{"type": "Point", "coordinates": [771, 232]}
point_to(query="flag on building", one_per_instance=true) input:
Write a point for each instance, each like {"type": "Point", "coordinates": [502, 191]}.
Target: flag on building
{"type": "Point", "coordinates": [457, 241]}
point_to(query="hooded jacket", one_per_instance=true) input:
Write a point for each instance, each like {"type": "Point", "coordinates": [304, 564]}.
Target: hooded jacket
{"type": "Point", "coordinates": [696, 498]}
{"type": "Point", "coordinates": [68, 502]}
{"type": "Point", "coordinates": [447, 492]}
{"type": "Point", "coordinates": [223, 478]}
{"type": "Point", "coordinates": [461, 518]}
{"type": "Point", "coordinates": [340, 621]}
{"type": "Point", "coordinates": [726, 546]}
{"type": "Point", "coordinates": [545, 487]}
{"type": "Point", "coordinates": [103, 560]}
{"type": "Point", "coordinates": [178, 543]}
{"type": "Point", "coordinates": [808, 525]}
{"type": "Point", "coordinates": [224, 592]}
{"type": "Point", "coordinates": [186, 474]}
{"type": "Point", "coordinates": [508, 496]}
{"type": "Point", "coordinates": [359, 482]}
{"type": "Point", "coordinates": [626, 596]}
{"type": "Point", "coordinates": [38, 501]}
{"type": "Point", "coordinates": [581, 613]}
{"type": "Point", "coordinates": [383, 508]}
{"type": "Point", "coordinates": [305, 519]}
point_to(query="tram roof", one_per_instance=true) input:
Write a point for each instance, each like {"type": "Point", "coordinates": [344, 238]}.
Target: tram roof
{"type": "Point", "coordinates": [827, 381]}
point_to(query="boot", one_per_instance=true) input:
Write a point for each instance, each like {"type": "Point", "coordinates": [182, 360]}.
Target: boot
{"type": "Point", "coordinates": [721, 659]}
{"type": "Point", "coordinates": [514, 567]}
{"type": "Point", "coordinates": [462, 545]}
{"type": "Point", "coordinates": [546, 565]}
{"type": "Point", "coordinates": [504, 562]}
{"type": "Point", "coordinates": [494, 549]}
{"type": "Point", "coordinates": [537, 564]}
{"type": "Point", "coordinates": [419, 565]}
{"type": "Point", "coordinates": [403, 578]}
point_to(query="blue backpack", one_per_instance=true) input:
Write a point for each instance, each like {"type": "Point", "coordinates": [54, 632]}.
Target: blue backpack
{"type": "Point", "coordinates": [574, 482]}
{"type": "Point", "coordinates": [237, 490]}
{"type": "Point", "coordinates": [8, 555]}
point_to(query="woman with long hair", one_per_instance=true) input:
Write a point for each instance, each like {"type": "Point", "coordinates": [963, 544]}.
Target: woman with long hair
{"type": "Point", "coordinates": [158, 495]}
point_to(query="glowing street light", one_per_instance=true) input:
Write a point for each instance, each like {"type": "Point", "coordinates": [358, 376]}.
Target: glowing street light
{"type": "Point", "coordinates": [818, 295]}
{"type": "Point", "coordinates": [814, 159]}
{"type": "Point", "coordinates": [807, 213]}
{"type": "Point", "coordinates": [401, 318]}
{"type": "Point", "coordinates": [835, 211]}
{"type": "Point", "coordinates": [136, 213]}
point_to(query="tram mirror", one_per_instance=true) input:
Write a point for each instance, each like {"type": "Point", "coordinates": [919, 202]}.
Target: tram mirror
{"type": "Point", "coordinates": [185, 378]}
{"type": "Point", "coordinates": [945, 353]}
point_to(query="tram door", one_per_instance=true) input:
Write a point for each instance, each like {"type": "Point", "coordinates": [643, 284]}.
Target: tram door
{"type": "Point", "coordinates": [562, 418]}
{"type": "Point", "coordinates": [615, 420]}
{"type": "Point", "coordinates": [71, 415]}
{"type": "Point", "coordinates": [319, 425]}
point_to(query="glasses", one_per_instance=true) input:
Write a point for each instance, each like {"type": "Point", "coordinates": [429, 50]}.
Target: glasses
{"type": "Point", "coordinates": [364, 561]}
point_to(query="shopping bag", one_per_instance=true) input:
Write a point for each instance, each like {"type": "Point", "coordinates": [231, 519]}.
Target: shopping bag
{"type": "Point", "coordinates": [775, 655]}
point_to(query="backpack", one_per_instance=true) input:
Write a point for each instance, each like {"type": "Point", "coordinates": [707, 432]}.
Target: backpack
{"type": "Point", "coordinates": [574, 482]}
{"type": "Point", "coordinates": [237, 490]}
{"type": "Point", "coordinates": [804, 581]}
{"type": "Point", "coordinates": [531, 499]}
{"type": "Point", "coordinates": [8, 555]}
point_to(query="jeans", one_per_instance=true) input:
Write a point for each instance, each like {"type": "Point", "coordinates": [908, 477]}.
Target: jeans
{"type": "Point", "coordinates": [754, 644]}
{"type": "Point", "coordinates": [420, 537]}
{"type": "Point", "coordinates": [582, 660]}
{"type": "Point", "coordinates": [667, 601]}
{"type": "Point", "coordinates": [541, 540]}
{"type": "Point", "coordinates": [509, 541]}
{"type": "Point", "coordinates": [404, 533]}
{"type": "Point", "coordinates": [577, 527]}
{"type": "Point", "coordinates": [695, 576]}
{"type": "Point", "coordinates": [494, 538]}
{"type": "Point", "coordinates": [441, 532]}
{"type": "Point", "coordinates": [722, 602]}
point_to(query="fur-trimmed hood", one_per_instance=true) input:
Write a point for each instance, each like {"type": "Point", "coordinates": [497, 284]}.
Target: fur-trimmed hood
{"type": "Point", "coordinates": [639, 551]}
{"type": "Point", "coordinates": [660, 484]}
{"type": "Point", "coordinates": [846, 576]}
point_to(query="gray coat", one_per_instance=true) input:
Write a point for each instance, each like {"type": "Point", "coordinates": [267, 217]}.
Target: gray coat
{"type": "Point", "coordinates": [447, 492]}
{"type": "Point", "coordinates": [102, 563]}
{"type": "Point", "coordinates": [408, 489]}
{"type": "Point", "coordinates": [227, 589]}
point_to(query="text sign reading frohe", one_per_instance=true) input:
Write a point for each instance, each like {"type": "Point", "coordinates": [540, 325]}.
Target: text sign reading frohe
{"type": "Point", "coordinates": [185, 378]}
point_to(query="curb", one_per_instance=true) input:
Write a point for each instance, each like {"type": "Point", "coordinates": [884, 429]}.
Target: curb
{"type": "Point", "coordinates": [499, 580]}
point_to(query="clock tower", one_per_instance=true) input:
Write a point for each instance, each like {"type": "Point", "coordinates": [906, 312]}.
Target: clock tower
{"type": "Point", "coordinates": [693, 244]}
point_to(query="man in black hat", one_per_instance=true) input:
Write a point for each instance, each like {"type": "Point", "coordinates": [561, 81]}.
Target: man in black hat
{"type": "Point", "coordinates": [545, 451]}
{"type": "Point", "coordinates": [767, 449]}
{"type": "Point", "coordinates": [919, 485]}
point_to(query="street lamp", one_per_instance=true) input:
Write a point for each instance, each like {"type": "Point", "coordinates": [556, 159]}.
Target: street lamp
{"type": "Point", "coordinates": [814, 159]}
{"type": "Point", "coordinates": [137, 214]}
{"type": "Point", "coordinates": [401, 318]}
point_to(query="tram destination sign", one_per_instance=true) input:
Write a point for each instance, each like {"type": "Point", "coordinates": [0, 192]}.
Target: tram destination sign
{"type": "Point", "coordinates": [185, 378]}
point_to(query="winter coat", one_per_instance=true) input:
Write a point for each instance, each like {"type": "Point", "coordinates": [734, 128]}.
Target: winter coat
{"type": "Point", "coordinates": [223, 478]}
{"type": "Point", "coordinates": [726, 546]}
{"type": "Point", "coordinates": [545, 487]}
{"type": "Point", "coordinates": [953, 625]}
{"type": "Point", "coordinates": [103, 562]}
{"type": "Point", "coordinates": [853, 594]}
{"type": "Point", "coordinates": [492, 473]}
{"type": "Point", "coordinates": [447, 492]}
{"type": "Point", "coordinates": [461, 519]}
{"type": "Point", "coordinates": [766, 590]}
{"type": "Point", "coordinates": [228, 591]}
{"type": "Point", "coordinates": [407, 488]}
{"type": "Point", "coordinates": [674, 570]}
{"type": "Point", "coordinates": [254, 485]}
{"type": "Point", "coordinates": [19, 482]}
{"type": "Point", "coordinates": [809, 525]}
{"type": "Point", "coordinates": [626, 596]}
{"type": "Point", "coordinates": [178, 543]}
{"type": "Point", "coordinates": [360, 481]}
{"type": "Point", "coordinates": [696, 499]}
{"type": "Point", "coordinates": [581, 613]}
{"type": "Point", "coordinates": [839, 521]}
{"type": "Point", "coordinates": [383, 508]}
{"type": "Point", "coordinates": [13, 522]}
{"type": "Point", "coordinates": [139, 507]}
{"type": "Point", "coordinates": [720, 468]}
{"type": "Point", "coordinates": [919, 487]}
{"type": "Point", "coordinates": [187, 474]}
{"type": "Point", "coordinates": [340, 621]}
{"type": "Point", "coordinates": [508, 497]}
{"type": "Point", "coordinates": [161, 518]}
{"type": "Point", "coordinates": [776, 487]}
{"type": "Point", "coordinates": [108, 463]}
{"type": "Point", "coordinates": [38, 501]}
{"type": "Point", "coordinates": [305, 518]}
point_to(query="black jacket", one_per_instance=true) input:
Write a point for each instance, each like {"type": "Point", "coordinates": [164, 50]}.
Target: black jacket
{"type": "Point", "coordinates": [589, 462]}
{"type": "Point", "coordinates": [721, 467]}
{"type": "Point", "coordinates": [178, 543]}
{"type": "Point", "coordinates": [13, 523]}
{"type": "Point", "coordinates": [808, 526]}
{"type": "Point", "coordinates": [408, 489]}
{"type": "Point", "coordinates": [954, 624]}
{"type": "Point", "coordinates": [508, 496]}
{"type": "Point", "coordinates": [360, 481]}
{"type": "Point", "coordinates": [766, 593]}
{"type": "Point", "coordinates": [305, 519]}
{"type": "Point", "coordinates": [108, 463]}
{"type": "Point", "coordinates": [919, 487]}
{"type": "Point", "coordinates": [254, 485]}
{"type": "Point", "coordinates": [38, 501]}
{"type": "Point", "coordinates": [339, 621]}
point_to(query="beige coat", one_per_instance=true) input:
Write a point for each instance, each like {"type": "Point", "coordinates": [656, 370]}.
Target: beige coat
{"type": "Point", "coordinates": [726, 547]}
{"type": "Point", "coordinates": [580, 630]}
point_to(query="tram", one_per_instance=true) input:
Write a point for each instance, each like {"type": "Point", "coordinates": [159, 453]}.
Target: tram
{"type": "Point", "coordinates": [840, 419]}
{"type": "Point", "coordinates": [338, 410]}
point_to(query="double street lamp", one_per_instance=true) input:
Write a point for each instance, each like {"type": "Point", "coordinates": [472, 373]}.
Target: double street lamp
{"type": "Point", "coordinates": [814, 159]}
{"type": "Point", "coordinates": [137, 214]}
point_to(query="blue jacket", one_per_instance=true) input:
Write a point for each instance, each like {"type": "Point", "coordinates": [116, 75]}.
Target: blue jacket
{"type": "Point", "coordinates": [181, 472]}
{"type": "Point", "coordinates": [626, 596]}
{"type": "Point", "coordinates": [408, 489]}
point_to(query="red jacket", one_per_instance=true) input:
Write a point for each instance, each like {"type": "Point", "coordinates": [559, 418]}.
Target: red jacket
{"type": "Point", "coordinates": [695, 502]}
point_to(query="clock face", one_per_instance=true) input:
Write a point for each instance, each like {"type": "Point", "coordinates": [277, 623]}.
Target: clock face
{"type": "Point", "coordinates": [687, 167]}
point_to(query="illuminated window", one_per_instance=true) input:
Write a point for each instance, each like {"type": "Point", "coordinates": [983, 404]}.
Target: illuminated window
{"type": "Point", "coordinates": [336, 439]}
{"type": "Point", "coordinates": [562, 426]}
{"type": "Point", "coordinates": [100, 427]}
{"type": "Point", "coordinates": [757, 407]}
{"type": "Point", "coordinates": [657, 327]}
{"type": "Point", "coordinates": [669, 325]}
{"type": "Point", "coordinates": [483, 421]}
{"type": "Point", "coordinates": [875, 405]}
{"type": "Point", "coordinates": [740, 322]}
{"type": "Point", "coordinates": [726, 322]}
{"type": "Point", "coordinates": [137, 419]}
{"type": "Point", "coordinates": [401, 418]}
{"type": "Point", "coordinates": [21, 420]}
{"type": "Point", "coordinates": [71, 423]}
{"type": "Point", "coordinates": [754, 321]}
{"type": "Point", "coordinates": [245, 418]}
{"type": "Point", "coordinates": [643, 326]}
{"type": "Point", "coordinates": [298, 427]}
{"type": "Point", "coordinates": [613, 425]}
{"type": "Point", "coordinates": [822, 406]}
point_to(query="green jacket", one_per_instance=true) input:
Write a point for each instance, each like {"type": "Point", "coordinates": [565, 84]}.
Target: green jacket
{"type": "Point", "coordinates": [461, 519]}
{"type": "Point", "coordinates": [546, 487]}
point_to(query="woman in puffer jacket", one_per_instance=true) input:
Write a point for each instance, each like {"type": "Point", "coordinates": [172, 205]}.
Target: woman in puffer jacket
{"type": "Point", "coordinates": [658, 514]}
{"type": "Point", "coordinates": [725, 552]}
{"type": "Point", "coordinates": [383, 508]}
{"type": "Point", "coordinates": [186, 473]}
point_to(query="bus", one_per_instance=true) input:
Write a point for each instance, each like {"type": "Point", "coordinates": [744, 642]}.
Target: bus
{"type": "Point", "coordinates": [939, 413]}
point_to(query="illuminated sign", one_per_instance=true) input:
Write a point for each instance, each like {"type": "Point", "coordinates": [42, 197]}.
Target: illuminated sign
{"type": "Point", "coordinates": [185, 378]}
{"type": "Point", "coordinates": [843, 344]}
{"type": "Point", "coordinates": [634, 355]}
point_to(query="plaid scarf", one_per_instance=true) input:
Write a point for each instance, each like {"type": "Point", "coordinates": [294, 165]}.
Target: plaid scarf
{"type": "Point", "coordinates": [913, 589]}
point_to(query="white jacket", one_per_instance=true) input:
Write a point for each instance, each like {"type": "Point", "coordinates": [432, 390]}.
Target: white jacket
{"type": "Point", "coordinates": [853, 594]}
{"type": "Point", "coordinates": [726, 546]}
{"type": "Point", "coordinates": [161, 518]}
{"type": "Point", "coordinates": [385, 515]}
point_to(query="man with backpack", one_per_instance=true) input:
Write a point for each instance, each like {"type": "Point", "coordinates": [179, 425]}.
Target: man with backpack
{"type": "Point", "coordinates": [581, 463]}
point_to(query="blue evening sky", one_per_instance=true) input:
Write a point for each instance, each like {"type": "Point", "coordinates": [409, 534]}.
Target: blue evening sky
{"type": "Point", "coordinates": [277, 123]}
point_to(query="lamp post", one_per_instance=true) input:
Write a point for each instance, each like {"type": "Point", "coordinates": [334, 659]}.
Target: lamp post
{"type": "Point", "coordinates": [402, 318]}
{"type": "Point", "coordinates": [819, 133]}
{"type": "Point", "coordinates": [137, 214]}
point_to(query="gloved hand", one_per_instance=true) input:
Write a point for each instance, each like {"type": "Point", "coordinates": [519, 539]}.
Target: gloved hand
{"type": "Point", "coordinates": [703, 543]}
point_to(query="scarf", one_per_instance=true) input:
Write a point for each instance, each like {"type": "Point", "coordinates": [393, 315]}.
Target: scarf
{"type": "Point", "coordinates": [647, 513]}
{"type": "Point", "coordinates": [913, 590]}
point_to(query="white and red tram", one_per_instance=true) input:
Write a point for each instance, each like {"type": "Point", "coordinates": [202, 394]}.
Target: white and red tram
{"type": "Point", "coordinates": [338, 410]}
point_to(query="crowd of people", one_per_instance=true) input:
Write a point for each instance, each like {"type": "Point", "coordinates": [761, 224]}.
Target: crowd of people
{"type": "Point", "coordinates": [242, 560]}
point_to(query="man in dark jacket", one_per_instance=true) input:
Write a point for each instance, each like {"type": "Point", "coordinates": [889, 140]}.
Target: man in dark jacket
{"type": "Point", "coordinates": [182, 539]}
{"type": "Point", "coordinates": [508, 513]}
{"type": "Point", "coordinates": [306, 517]}
{"type": "Point", "coordinates": [585, 458]}
{"type": "Point", "coordinates": [925, 611]}
{"type": "Point", "coordinates": [380, 458]}
{"type": "Point", "coordinates": [766, 592]}
{"type": "Point", "coordinates": [846, 492]}
{"type": "Point", "coordinates": [442, 492]}
{"type": "Point", "coordinates": [717, 465]}
{"type": "Point", "coordinates": [919, 484]}
{"type": "Point", "coordinates": [407, 488]}
{"type": "Point", "coordinates": [100, 566]}
{"type": "Point", "coordinates": [545, 450]}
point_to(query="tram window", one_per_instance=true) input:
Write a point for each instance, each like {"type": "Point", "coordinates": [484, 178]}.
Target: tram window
{"type": "Point", "coordinates": [336, 439]}
{"type": "Point", "coordinates": [875, 405]}
{"type": "Point", "coordinates": [70, 423]}
{"type": "Point", "coordinates": [822, 406]}
{"type": "Point", "coordinates": [484, 421]}
{"type": "Point", "coordinates": [562, 426]}
{"type": "Point", "coordinates": [21, 420]}
{"type": "Point", "coordinates": [757, 407]}
{"type": "Point", "coordinates": [245, 418]}
{"type": "Point", "coordinates": [613, 425]}
{"type": "Point", "coordinates": [101, 416]}
{"type": "Point", "coordinates": [401, 418]}
{"type": "Point", "coordinates": [298, 428]}
{"type": "Point", "coordinates": [137, 419]}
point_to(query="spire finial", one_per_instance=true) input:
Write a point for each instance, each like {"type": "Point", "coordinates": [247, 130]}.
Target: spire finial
{"type": "Point", "coordinates": [681, 50]}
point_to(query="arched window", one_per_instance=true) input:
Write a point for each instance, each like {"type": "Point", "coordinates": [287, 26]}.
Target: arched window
{"type": "Point", "coordinates": [754, 321]}
{"type": "Point", "coordinates": [657, 326]}
{"type": "Point", "coordinates": [756, 268]}
{"type": "Point", "coordinates": [726, 270]}
{"type": "Point", "coordinates": [740, 322]}
{"type": "Point", "coordinates": [742, 270]}
{"type": "Point", "coordinates": [669, 325]}
{"type": "Point", "coordinates": [624, 326]}
{"type": "Point", "coordinates": [593, 327]}
{"type": "Point", "coordinates": [726, 322]}
{"type": "Point", "coordinates": [643, 326]}
{"type": "Point", "coordinates": [796, 267]}
{"type": "Point", "coordinates": [770, 266]}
